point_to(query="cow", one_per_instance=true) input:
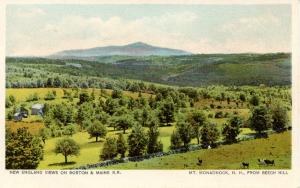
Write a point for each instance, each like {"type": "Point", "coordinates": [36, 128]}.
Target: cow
{"type": "Point", "coordinates": [245, 165]}
{"type": "Point", "coordinates": [270, 162]}
{"type": "Point", "coordinates": [199, 162]}
{"type": "Point", "coordinates": [261, 162]}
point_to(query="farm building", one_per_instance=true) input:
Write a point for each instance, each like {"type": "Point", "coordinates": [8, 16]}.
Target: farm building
{"type": "Point", "coordinates": [18, 116]}
{"type": "Point", "coordinates": [37, 109]}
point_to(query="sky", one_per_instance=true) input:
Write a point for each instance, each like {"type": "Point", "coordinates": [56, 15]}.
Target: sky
{"type": "Point", "coordinates": [38, 30]}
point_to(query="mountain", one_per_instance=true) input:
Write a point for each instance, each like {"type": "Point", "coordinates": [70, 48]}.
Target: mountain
{"type": "Point", "coordinates": [134, 49]}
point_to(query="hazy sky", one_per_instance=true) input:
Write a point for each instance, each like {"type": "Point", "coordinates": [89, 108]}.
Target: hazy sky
{"type": "Point", "coordinates": [45, 29]}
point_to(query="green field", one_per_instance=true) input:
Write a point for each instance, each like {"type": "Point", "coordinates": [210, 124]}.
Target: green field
{"type": "Point", "coordinates": [277, 147]}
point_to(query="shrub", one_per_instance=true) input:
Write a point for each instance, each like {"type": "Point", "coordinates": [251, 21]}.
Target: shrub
{"type": "Point", "coordinates": [219, 114]}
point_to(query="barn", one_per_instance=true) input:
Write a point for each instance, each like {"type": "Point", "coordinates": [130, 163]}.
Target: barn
{"type": "Point", "coordinates": [37, 109]}
{"type": "Point", "coordinates": [18, 116]}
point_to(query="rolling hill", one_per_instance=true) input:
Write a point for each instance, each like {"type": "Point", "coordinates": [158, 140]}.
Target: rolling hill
{"type": "Point", "coordinates": [190, 70]}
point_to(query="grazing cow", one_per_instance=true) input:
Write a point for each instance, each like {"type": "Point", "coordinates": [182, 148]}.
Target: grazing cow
{"type": "Point", "coordinates": [270, 162]}
{"type": "Point", "coordinates": [245, 165]}
{"type": "Point", "coordinates": [199, 162]}
{"type": "Point", "coordinates": [261, 162]}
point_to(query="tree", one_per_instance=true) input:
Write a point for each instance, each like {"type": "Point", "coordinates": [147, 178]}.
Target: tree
{"type": "Point", "coordinates": [63, 114]}
{"type": "Point", "coordinates": [254, 100]}
{"type": "Point", "coordinates": [232, 129]}
{"type": "Point", "coordinates": [69, 130]}
{"type": "Point", "coordinates": [86, 111]}
{"type": "Point", "coordinates": [184, 130]}
{"type": "Point", "coordinates": [121, 145]}
{"type": "Point", "coordinates": [23, 150]}
{"type": "Point", "coordinates": [279, 117]}
{"type": "Point", "coordinates": [10, 115]}
{"type": "Point", "coordinates": [12, 99]}
{"type": "Point", "coordinates": [67, 147]}
{"type": "Point", "coordinates": [137, 141]}
{"type": "Point", "coordinates": [260, 119]}
{"type": "Point", "coordinates": [49, 96]}
{"type": "Point", "coordinates": [111, 106]}
{"type": "Point", "coordinates": [83, 97]}
{"type": "Point", "coordinates": [145, 116]}
{"type": "Point", "coordinates": [116, 94]}
{"type": "Point", "coordinates": [242, 97]}
{"type": "Point", "coordinates": [97, 129]}
{"type": "Point", "coordinates": [153, 144]}
{"type": "Point", "coordinates": [110, 149]}
{"type": "Point", "coordinates": [175, 140]}
{"type": "Point", "coordinates": [196, 119]}
{"type": "Point", "coordinates": [167, 111]}
{"type": "Point", "coordinates": [44, 133]}
{"type": "Point", "coordinates": [131, 103]}
{"type": "Point", "coordinates": [123, 122]}
{"type": "Point", "coordinates": [209, 135]}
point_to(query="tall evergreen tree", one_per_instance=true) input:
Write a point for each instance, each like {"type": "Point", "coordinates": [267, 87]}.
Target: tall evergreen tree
{"type": "Point", "coordinates": [261, 119]}
{"type": "Point", "coordinates": [279, 117]}
{"type": "Point", "coordinates": [232, 129]}
{"type": "Point", "coordinates": [23, 150]}
{"type": "Point", "coordinates": [209, 135]}
{"type": "Point", "coordinates": [137, 141]}
{"type": "Point", "coordinates": [109, 150]}
{"type": "Point", "coordinates": [153, 144]}
{"type": "Point", "coordinates": [167, 111]}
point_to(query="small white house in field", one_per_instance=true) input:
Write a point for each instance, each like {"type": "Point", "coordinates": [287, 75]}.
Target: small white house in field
{"type": "Point", "coordinates": [37, 109]}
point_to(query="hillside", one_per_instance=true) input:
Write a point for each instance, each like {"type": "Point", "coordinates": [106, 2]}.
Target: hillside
{"type": "Point", "coordinates": [134, 49]}
{"type": "Point", "coordinates": [189, 70]}
{"type": "Point", "coordinates": [224, 157]}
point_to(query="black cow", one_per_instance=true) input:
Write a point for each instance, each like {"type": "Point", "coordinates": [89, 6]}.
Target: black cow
{"type": "Point", "coordinates": [245, 165]}
{"type": "Point", "coordinates": [199, 162]}
{"type": "Point", "coordinates": [270, 162]}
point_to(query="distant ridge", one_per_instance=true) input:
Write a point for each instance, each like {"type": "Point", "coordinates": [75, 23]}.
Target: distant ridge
{"type": "Point", "coordinates": [133, 49]}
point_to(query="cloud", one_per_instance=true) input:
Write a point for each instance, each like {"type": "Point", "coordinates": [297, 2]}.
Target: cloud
{"type": "Point", "coordinates": [182, 30]}
{"type": "Point", "coordinates": [257, 24]}
{"type": "Point", "coordinates": [74, 31]}
{"type": "Point", "coordinates": [31, 13]}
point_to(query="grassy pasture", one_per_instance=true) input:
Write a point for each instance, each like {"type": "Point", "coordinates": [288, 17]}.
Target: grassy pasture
{"type": "Point", "coordinates": [89, 149]}
{"type": "Point", "coordinates": [277, 147]}
{"type": "Point", "coordinates": [22, 93]}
